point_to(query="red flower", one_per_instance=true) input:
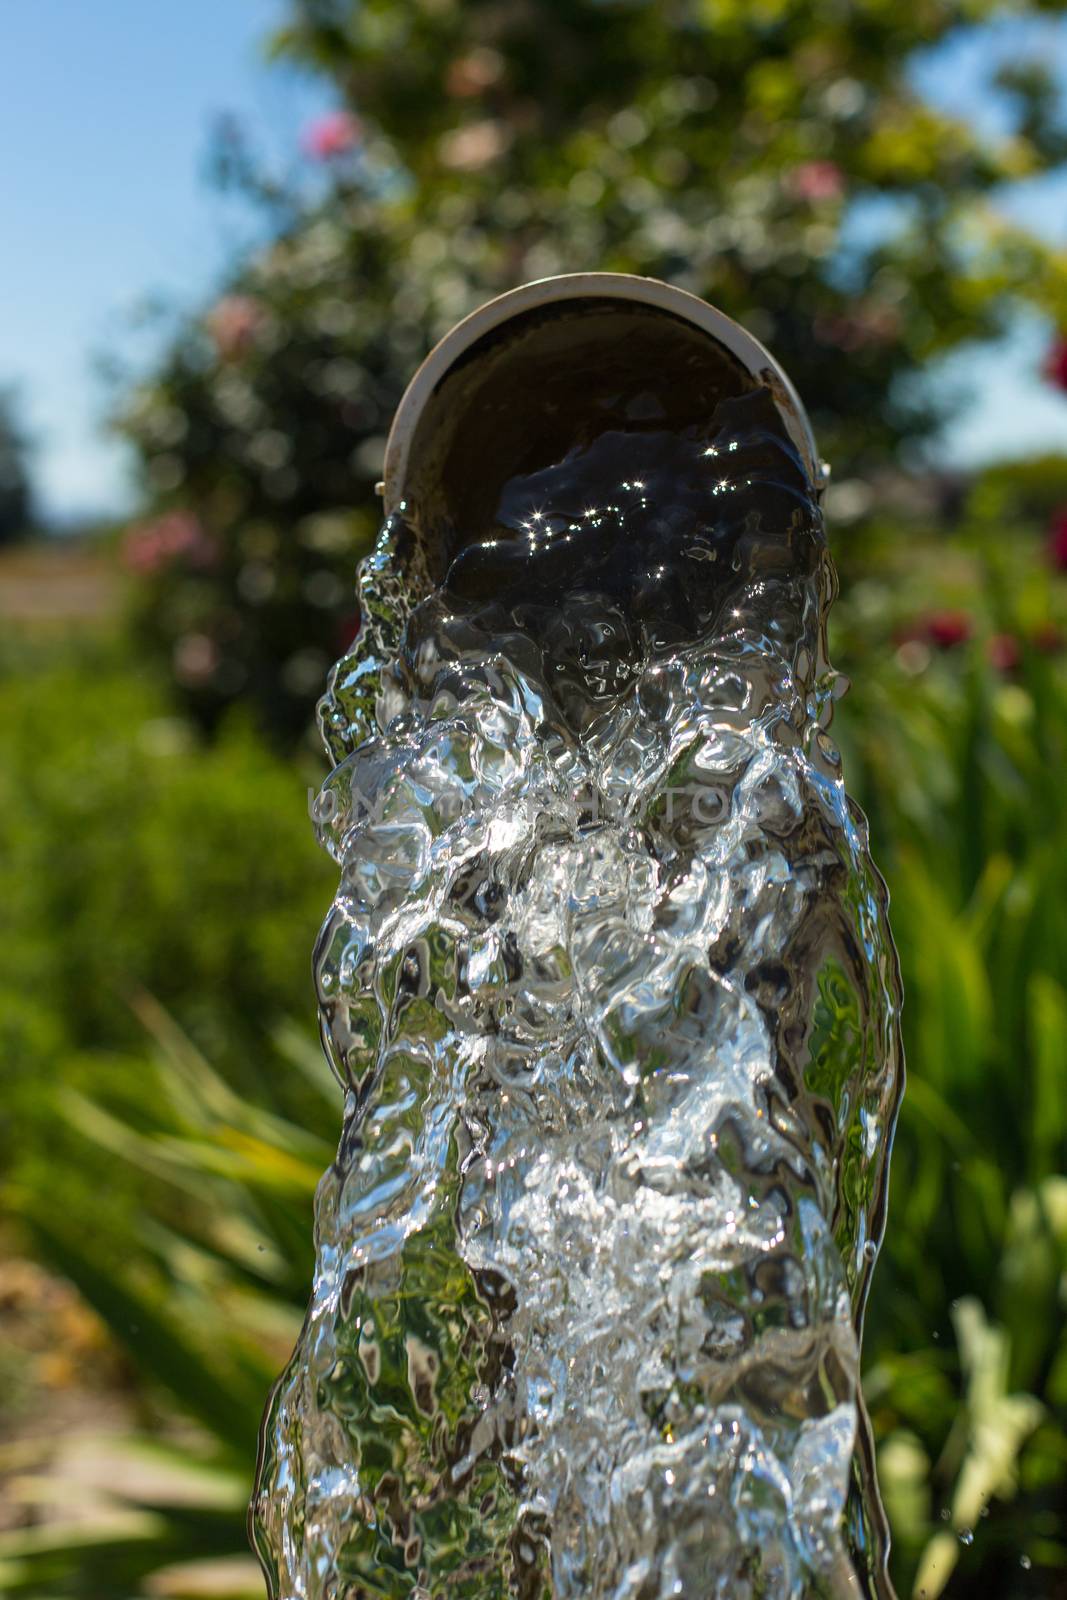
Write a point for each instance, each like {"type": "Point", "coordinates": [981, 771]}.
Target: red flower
{"type": "Point", "coordinates": [332, 135]}
{"type": "Point", "coordinates": [1055, 368]}
{"type": "Point", "coordinates": [154, 545]}
{"type": "Point", "coordinates": [234, 324]}
{"type": "Point", "coordinates": [947, 629]}
{"type": "Point", "coordinates": [1004, 652]}
{"type": "Point", "coordinates": [816, 180]}
{"type": "Point", "coordinates": [347, 630]}
{"type": "Point", "coordinates": [1057, 541]}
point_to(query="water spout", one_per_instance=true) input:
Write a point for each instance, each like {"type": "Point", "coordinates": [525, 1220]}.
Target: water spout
{"type": "Point", "coordinates": [609, 985]}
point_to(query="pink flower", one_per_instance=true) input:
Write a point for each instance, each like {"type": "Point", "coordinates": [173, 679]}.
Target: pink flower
{"type": "Point", "coordinates": [1004, 652]}
{"type": "Point", "coordinates": [234, 324]}
{"type": "Point", "coordinates": [1057, 541]}
{"type": "Point", "coordinates": [947, 629]}
{"type": "Point", "coordinates": [868, 324]}
{"type": "Point", "coordinates": [195, 660]}
{"type": "Point", "coordinates": [1055, 368]}
{"type": "Point", "coordinates": [814, 181]}
{"type": "Point", "coordinates": [149, 548]}
{"type": "Point", "coordinates": [332, 135]}
{"type": "Point", "coordinates": [471, 75]}
{"type": "Point", "coordinates": [473, 146]}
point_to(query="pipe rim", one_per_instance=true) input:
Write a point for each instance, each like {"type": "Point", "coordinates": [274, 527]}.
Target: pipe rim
{"type": "Point", "coordinates": [653, 292]}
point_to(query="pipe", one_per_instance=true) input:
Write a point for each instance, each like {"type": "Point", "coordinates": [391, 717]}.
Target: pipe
{"type": "Point", "coordinates": [479, 337]}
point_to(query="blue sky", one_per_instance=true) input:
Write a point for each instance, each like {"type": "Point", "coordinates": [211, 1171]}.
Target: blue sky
{"type": "Point", "coordinates": [106, 107]}
{"type": "Point", "coordinates": [105, 112]}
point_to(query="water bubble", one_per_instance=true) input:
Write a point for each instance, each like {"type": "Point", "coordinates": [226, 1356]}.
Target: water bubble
{"type": "Point", "coordinates": [1025, 1563]}
{"type": "Point", "coordinates": [966, 1536]}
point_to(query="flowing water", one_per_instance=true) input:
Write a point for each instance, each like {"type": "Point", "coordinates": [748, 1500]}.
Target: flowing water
{"type": "Point", "coordinates": [609, 984]}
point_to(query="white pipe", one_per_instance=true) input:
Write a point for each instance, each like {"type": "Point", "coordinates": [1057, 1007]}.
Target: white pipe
{"type": "Point", "coordinates": [741, 344]}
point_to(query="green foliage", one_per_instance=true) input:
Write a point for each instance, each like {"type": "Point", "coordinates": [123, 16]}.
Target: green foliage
{"type": "Point", "coordinates": [140, 869]}
{"type": "Point", "coordinates": [202, 1286]}
{"type": "Point", "coordinates": [956, 760]}
{"type": "Point", "coordinates": [119, 872]}
{"type": "Point", "coordinates": [1021, 492]}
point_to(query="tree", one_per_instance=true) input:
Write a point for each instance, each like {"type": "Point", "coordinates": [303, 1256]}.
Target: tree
{"type": "Point", "coordinates": [15, 491]}
{"type": "Point", "coordinates": [718, 143]}
{"type": "Point", "coordinates": [732, 146]}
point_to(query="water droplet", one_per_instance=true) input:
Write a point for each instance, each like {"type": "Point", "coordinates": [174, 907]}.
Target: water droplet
{"type": "Point", "coordinates": [1025, 1563]}
{"type": "Point", "coordinates": [966, 1536]}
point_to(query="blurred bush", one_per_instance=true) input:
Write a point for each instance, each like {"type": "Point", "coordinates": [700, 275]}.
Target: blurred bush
{"type": "Point", "coordinates": [775, 159]}
{"type": "Point", "coordinates": [158, 897]}
{"type": "Point", "coordinates": [955, 739]}
{"type": "Point", "coordinates": [134, 858]}
{"type": "Point", "coordinates": [179, 1209]}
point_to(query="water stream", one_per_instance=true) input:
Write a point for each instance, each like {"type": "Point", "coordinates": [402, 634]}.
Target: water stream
{"type": "Point", "coordinates": [609, 984]}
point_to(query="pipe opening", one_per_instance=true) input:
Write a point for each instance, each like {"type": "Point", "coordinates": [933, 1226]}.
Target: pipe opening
{"type": "Point", "coordinates": [544, 387]}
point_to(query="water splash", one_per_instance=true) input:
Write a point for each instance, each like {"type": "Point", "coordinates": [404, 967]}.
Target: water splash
{"type": "Point", "coordinates": [609, 983]}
